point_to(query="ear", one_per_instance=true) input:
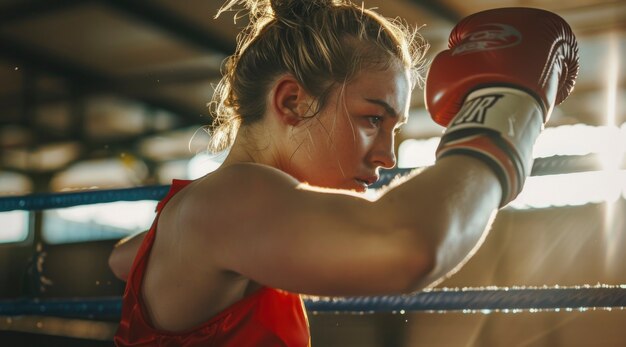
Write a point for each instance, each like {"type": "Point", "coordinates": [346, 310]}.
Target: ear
{"type": "Point", "coordinates": [290, 100]}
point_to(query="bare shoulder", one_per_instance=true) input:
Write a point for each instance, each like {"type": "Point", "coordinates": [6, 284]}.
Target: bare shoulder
{"type": "Point", "coordinates": [255, 173]}
{"type": "Point", "coordinates": [225, 203]}
{"type": "Point", "coordinates": [243, 180]}
{"type": "Point", "coordinates": [229, 194]}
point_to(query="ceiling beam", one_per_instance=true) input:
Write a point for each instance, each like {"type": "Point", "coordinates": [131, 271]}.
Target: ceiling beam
{"type": "Point", "coordinates": [27, 9]}
{"type": "Point", "coordinates": [88, 151]}
{"type": "Point", "coordinates": [89, 80]}
{"type": "Point", "coordinates": [435, 7]}
{"type": "Point", "coordinates": [180, 27]}
{"type": "Point", "coordinates": [180, 76]}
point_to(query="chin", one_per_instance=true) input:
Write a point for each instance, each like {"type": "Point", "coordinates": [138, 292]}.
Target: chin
{"type": "Point", "coordinates": [359, 189]}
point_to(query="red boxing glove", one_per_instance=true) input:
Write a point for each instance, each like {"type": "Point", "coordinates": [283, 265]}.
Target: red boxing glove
{"type": "Point", "coordinates": [523, 48]}
{"type": "Point", "coordinates": [497, 85]}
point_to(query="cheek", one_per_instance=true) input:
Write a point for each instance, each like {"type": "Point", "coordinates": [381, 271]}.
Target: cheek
{"type": "Point", "coordinates": [356, 133]}
{"type": "Point", "coordinates": [355, 144]}
{"type": "Point", "coordinates": [345, 139]}
{"type": "Point", "coordinates": [364, 137]}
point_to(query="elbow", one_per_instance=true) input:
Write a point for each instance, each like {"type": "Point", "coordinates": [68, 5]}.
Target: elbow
{"type": "Point", "coordinates": [411, 270]}
{"type": "Point", "coordinates": [438, 256]}
{"type": "Point", "coordinates": [421, 266]}
{"type": "Point", "coordinates": [117, 265]}
{"type": "Point", "coordinates": [420, 261]}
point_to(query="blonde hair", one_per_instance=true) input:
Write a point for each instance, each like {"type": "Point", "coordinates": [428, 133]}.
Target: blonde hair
{"type": "Point", "coordinates": [321, 43]}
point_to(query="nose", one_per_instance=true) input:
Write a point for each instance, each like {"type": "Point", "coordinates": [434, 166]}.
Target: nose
{"type": "Point", "coordinates": [383, 153]}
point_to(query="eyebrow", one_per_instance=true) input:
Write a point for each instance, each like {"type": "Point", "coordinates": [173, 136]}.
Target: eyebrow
{"type": "Point", "coordinates": [390, 110]}
{"type": "Point", "coordinates": [384, 105]}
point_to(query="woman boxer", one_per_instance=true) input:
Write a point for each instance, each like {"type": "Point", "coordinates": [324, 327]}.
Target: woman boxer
{"type": "Point", "coordinates": [309, 105]}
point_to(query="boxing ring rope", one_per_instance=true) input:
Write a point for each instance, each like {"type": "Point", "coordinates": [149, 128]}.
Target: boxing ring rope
{"type": "Point", "coordinates": [442, 299]}
{"type": "Point", "coordinates": [60, 200]}
{"type": "Point", "coordinates": [482, 300]}
{"type": "Point", "coordinates": [541, 166]}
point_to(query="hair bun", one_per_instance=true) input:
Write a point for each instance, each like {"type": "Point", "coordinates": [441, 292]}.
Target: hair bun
{"type": "Point", "coordinates": [295, 9]}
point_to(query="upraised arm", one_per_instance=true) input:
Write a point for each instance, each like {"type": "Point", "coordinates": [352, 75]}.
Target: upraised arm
{"type": "Point", "coordinates": [494, 88]}
{"type": "Point", "coordinates": [287, 236]}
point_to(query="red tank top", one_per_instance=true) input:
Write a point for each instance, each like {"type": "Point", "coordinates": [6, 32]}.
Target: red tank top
{"type": "Point", "coordinates": [268, 317]}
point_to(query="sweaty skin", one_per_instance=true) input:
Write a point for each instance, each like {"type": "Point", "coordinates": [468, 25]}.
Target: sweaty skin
{"type": "Point", "coordinates": [254, 221]}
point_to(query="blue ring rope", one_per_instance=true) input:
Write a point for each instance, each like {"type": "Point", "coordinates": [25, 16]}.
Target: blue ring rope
{"type": "Point", "coordinates": [435, 300]}
{"type": "Point", "coordinates": [481, 299]}
{"type": "Point", "coordinates": [474, 300]}
{"type": "Point", "coordinates": [59, 200]}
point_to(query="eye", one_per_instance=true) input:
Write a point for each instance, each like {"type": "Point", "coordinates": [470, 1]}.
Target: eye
{"type": "Point", "coordinates": [375, 121]}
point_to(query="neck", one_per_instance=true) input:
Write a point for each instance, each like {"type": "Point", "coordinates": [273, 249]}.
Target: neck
{"type": "Point", "coordinates": [248, 148]}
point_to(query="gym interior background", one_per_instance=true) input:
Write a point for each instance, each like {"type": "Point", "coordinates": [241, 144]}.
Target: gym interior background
{"type": "Point", "coordinates": [112, 93]}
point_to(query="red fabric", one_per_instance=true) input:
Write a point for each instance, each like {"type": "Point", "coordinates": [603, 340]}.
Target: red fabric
{"type": "Point", "coordinates": [268, 317]}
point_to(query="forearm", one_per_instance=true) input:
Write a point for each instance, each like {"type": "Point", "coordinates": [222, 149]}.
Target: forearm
{"type": "Point", "coordinates": [449, 206]}
{"type": "Point", "coordinates": [490, 101]}
{"type": "Point", "coordinates": [123, 255]}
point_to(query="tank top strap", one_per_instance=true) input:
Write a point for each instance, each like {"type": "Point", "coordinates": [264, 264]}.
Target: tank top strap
{"type": "Point", "coordinates": [176, 186]}
{"type": "Point", "coordinates": [136, 271]}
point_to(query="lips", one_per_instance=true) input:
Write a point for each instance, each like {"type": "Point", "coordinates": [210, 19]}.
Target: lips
{"type": "Point", "coordinates": [367, 180]}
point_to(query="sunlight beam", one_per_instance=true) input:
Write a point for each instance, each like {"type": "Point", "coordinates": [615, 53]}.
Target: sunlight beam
{"type": "Point", "coordinates": [612, 156]}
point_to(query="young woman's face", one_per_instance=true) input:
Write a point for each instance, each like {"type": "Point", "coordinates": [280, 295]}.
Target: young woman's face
{"type": "Point", "coordinates": [353, 135]}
